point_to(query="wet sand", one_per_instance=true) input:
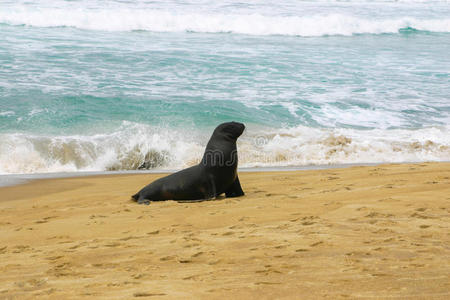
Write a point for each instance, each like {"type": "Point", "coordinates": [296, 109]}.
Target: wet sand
{"type": "Point", "coordinates": [373, 232]}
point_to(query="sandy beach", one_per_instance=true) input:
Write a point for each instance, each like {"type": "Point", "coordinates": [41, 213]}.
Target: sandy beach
{"type": "Point", "coordinates": [377, 232]}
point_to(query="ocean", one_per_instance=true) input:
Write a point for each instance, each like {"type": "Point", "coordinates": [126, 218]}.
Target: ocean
{"type": "Point", "coordinates": [125, 85]}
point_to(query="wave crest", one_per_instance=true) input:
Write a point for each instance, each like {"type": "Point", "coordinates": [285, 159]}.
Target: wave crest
{"type": "Point", "coordinates": [124, 19]}
{"type": "Point", "coordinates": [138, 146]}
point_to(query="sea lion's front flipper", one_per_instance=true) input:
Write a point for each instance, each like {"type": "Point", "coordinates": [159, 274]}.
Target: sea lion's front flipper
{"type": "Point", "coordinates": [235, 189]}
{"type": "Point", "coordinates": [143, 201]}
{"type": "Point", "coordinates": [139, 199]}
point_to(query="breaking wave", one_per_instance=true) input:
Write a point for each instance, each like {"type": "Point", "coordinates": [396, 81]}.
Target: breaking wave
{"type": "Point", "coordinates": [127, 19]}
{"type": "Point", "coordinates": [137, 146]}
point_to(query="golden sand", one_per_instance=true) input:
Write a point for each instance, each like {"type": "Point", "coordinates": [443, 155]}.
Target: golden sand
{"type": "Point", "coordinates": [378, 232]}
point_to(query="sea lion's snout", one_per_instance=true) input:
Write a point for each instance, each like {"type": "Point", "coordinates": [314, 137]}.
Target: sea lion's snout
{"type": "Point", "coordinates": [239, 128]}
{"type": "Point", "coordinates": [235, 129]}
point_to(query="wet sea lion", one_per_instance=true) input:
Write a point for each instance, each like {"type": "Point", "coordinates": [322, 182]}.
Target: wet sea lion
{"type": "Point", "coordinates": [214, 175]}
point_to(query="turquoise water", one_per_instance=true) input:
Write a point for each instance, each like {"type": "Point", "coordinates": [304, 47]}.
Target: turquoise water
{"type": "Point", "coordinates": [93, 86]}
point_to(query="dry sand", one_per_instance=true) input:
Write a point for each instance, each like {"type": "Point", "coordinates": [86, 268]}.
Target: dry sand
{"type": "Point", "coordinates": [363, 232]}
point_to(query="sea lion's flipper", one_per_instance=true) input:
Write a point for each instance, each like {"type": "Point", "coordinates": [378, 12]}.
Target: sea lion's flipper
{"type": "Point", "coordinates": [235, 189]}
{"type": "Point", "coordinates": [135, 197]}
{"type": "Point", "coordinates": [143, 201]}
{"type": "Point", "coordinates": [139, 199]}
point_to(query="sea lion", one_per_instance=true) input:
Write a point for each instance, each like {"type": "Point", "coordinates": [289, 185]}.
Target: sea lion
{"type": "Point", "coordinates": [214, 175]}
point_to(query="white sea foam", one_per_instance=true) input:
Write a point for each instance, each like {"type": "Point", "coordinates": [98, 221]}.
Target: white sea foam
{"type": "Point", "coordinates": [7, 113]}
{"type": "Point", "coordinates": [128, 148]}
{"type": "Point", "coordinates": [135, 145]}
{"type": "Point", "coordinates": [127, 19]}
{"type": "Point", "coordinates": [301, 146]}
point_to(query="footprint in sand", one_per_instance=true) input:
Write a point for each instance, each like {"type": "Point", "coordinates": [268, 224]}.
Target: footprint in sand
{"type": "Point", "coordinates": [168, 258]}
{"type": "Point", "coordinates": [105, 265]}
{"type": "Point", "coordinates": [138, 276]}
{"type": "Point", "coordinates": [54, 257]}
{"type": "Point", "coordinates": [191, 245]}
{"type": "Point", "coordinates": [266, 283]}
{"type": "Point", "coordinates": [306, 223]}
{"type": "Point", "coordinates": [421, 216]}
{"type": "Point", "coordinates": [197, 254]}
{"type": "Point", "coordinates": [214, 262]}
{"type": "Point", "coordinates": [74, 247]}
{"type": "Point", "coordinates": [301, 250]}
{"type": "Point", "coordinates": [62, 269]}
{"type": "Point", "coordinates": [127, 238]}
{"type": "Point", "coordinates": [281, 246]}
{"type": "Point", "coordinates": [144, 294]}
{"type": "Point", "coordinates": [31, 284]}
{"type": "Point", "coordinates": [374, 214]}
{"type": "Point", "coordinates": [235, 227]}
{"type": "Point", "coordinates": [21, 248]}
{"type": "Point", "coordinates": [40, 221]}
{"type": "Point", "coordinates": [258, 191]}
{"type": "Point", "coordinates": [112, 244]}
{"type": "Point", "coordinates": [316, 244]}
{"type": "Point", "coordinates": [268, 269]}
{"type": "Point", "coordinates": [191, 277]}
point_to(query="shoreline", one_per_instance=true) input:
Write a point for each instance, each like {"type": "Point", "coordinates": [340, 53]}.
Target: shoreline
{"type": "Point", "coordinates": [7, 180]}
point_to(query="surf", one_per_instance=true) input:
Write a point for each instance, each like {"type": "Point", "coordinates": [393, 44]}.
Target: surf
{"type": "Point", "coordinates": [257, 23]}
{"type": "Point", "coordinates": [136, 146]}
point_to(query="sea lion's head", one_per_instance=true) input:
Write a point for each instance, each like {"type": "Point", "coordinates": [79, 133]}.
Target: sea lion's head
{"type": "Point", "coordinates": [232, 130]}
